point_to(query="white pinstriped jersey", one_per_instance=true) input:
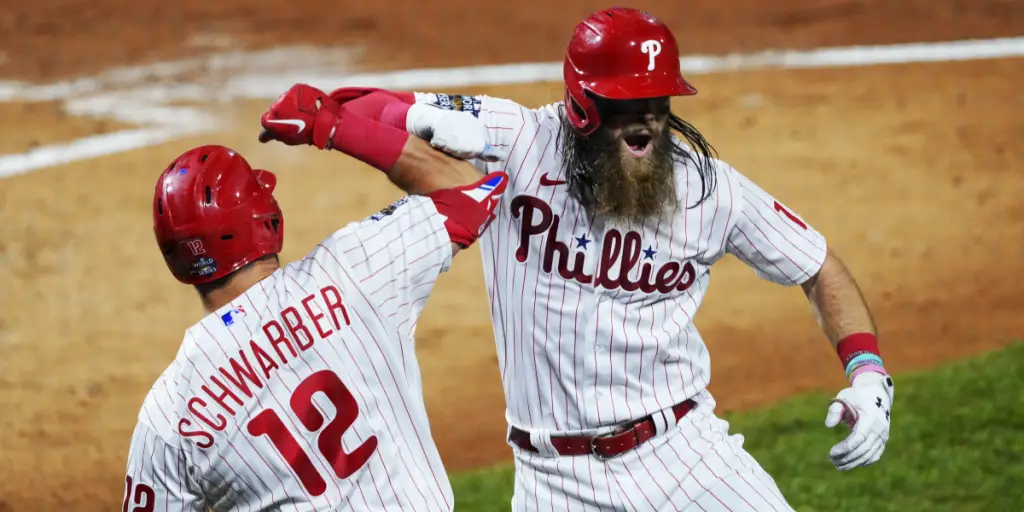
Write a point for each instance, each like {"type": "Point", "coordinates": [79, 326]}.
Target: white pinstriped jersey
{"type": "Point", "coordinates": [594, 320]}
{"type": "Point", "coordinates": [304, 393]}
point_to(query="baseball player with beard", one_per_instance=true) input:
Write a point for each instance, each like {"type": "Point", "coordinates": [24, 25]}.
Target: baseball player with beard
{"type": "Point", "coordinates": [597, 262]}
{"type": "Point", "coordinates": [299, 388]}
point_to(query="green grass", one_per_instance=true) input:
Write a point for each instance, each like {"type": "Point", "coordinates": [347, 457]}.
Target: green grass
{"type": "Point", "coordinates": [957, 443]}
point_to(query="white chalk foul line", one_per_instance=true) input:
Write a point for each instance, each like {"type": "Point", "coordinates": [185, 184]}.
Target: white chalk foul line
{"type": "Point", "coordinates": [85, 148]}
{"type": "Point", "coordinates": [269, 86]}
{"type": "Point", "coordinates": [208, 71]}
{"type": "Point", "coordinates": [147, 102]}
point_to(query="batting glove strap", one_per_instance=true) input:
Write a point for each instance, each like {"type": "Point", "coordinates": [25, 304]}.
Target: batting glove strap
{"type": "Point", "coordinates": [325, 128]}
{"type": "Point", "coordinates": [468, 210]}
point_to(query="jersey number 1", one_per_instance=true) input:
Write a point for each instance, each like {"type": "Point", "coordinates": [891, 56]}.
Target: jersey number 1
{"type": "Point", "coordinates": [269, 423]}
{"type": "Point", "coordinates": [796, 220]}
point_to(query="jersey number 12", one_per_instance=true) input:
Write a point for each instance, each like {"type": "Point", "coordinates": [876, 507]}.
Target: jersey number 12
{"type": "Point", "coordinates": [269, 423]}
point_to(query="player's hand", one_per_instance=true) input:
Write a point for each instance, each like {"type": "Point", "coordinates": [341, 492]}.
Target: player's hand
{"type": "Point", "coordinates": [460, 134]}
{"type": "Point", "coordinates": [304, 115]}
{"type": "Point", "coordinates": [469, 209]}
{"type": "Point", "coordinates": [864, 406]}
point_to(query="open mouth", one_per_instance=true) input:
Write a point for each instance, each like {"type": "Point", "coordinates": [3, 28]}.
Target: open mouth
{"type": "Point", "coordinates": [638, 144]}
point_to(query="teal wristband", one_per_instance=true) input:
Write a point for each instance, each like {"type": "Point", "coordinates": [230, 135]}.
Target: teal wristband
{"type": "Point", "coordinates": [862, 360]}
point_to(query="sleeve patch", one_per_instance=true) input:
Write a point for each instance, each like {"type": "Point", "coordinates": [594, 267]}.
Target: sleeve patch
{"type": "Point", "coordinates": [389, 209]}
{"type": "Point", "coordinates": [458, 102]}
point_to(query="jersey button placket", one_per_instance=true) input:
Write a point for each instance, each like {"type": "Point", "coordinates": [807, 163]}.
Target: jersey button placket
{"type": "Point", "coordinates": [601, 370]}
{"type": "Point", "coordinates": [590, 351]}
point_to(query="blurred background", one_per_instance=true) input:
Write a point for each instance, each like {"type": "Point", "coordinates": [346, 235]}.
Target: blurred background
{"type": "Point", "coordinates": [909, 162]}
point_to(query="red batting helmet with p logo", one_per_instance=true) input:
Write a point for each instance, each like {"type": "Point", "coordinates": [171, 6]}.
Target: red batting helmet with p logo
{"type": "Point", "coordinates": [214, 214]}
{"type": "Point", "coordinates": [619, 54]}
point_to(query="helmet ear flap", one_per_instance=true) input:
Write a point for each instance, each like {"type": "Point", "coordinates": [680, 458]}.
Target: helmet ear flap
{"type": "Point", "coordinates": [213, 214]}
{"type": "Point", "coordinates": [579, 107]}
{"type": "Point", "coordinates": [582, 112]}
{"type": "Point", "coordinates": [267, 179]}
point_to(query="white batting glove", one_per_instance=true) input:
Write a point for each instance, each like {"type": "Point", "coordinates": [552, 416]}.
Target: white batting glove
{"type": "Point", "coordinates": [460, 134]}
{"type": "Point", "coordinates": [865, 406]}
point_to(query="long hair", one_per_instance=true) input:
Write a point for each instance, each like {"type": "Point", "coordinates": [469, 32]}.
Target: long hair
{"type": "Point", "coordinates": [579, 159]}
{"type": "Point", "coordinates": [702, 155]}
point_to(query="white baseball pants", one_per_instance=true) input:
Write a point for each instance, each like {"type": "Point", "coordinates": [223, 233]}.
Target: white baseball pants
{"type": "Point", "coordinates": [696, 466]}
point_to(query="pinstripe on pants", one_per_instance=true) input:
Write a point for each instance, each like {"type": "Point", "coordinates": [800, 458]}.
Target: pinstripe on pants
{"type": "Point", "coordinates": [696, 466]}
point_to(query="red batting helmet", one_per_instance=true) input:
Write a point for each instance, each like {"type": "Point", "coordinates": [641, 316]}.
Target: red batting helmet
{"type": "Point", "coordinates": [619, 54]}
{"type": "Point", "coordinates": [213, 214]}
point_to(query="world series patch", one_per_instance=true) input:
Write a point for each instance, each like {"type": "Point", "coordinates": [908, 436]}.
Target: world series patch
{"type": "Point", "coordinates": [204, 266]}
{"type": "Point", "coordinates": [389, 209]}
{"type": "Point", "coordinates": [460, 103]}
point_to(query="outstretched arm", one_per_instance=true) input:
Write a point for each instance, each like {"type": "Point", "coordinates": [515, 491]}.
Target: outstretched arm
{"type": "Point", "coordinates": [307, 116]}
{"type": "Point", "coordinates": [421, 169]}
{"type": "Point", "coordinates": [784, 249]}
{"type": "Point", "coordinates": [837, 301]}
{"type": "Point", "coordinates": [866, 405]}
{"type": "Point", "coordinates": [460, 194]}
{"type": "Point", "coordinates": [369, 127]}
{"type": "Point", "coordinates": [457, 125]}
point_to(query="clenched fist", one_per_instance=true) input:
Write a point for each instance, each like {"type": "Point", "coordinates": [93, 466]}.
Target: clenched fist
{"type": "Point", "coordinates": [459, 134]}
{"type": "Point", "coordinates": [304, 115]}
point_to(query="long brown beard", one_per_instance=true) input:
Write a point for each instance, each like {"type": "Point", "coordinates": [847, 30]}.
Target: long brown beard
{"type": "Point", "coordinates": [609, 181]}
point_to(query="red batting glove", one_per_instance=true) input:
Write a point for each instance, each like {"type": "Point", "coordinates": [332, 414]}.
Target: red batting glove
{"type": "Point", "coordinates": [469, 209]}
{"type": "Point", "coordinates": [303, 115]}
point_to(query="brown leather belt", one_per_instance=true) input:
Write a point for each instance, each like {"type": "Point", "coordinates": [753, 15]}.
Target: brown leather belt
{"type": "Point", "coordinates": [605, 446]}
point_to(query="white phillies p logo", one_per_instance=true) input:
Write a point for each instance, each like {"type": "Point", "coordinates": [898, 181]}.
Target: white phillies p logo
{"type": "Point", "coordinates": [652, 48]}
{"type": "Point", "coordinates": [196, 246]}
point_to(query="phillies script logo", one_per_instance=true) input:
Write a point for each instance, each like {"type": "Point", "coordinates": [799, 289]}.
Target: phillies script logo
{"type": "Point", "coordinates": [620, 254]}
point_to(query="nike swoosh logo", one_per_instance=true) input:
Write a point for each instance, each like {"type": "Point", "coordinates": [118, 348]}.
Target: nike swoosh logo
{"type": "Point", "coordinates": [298, 123]}
{"type": "Point", "coordinates": [545, 181]}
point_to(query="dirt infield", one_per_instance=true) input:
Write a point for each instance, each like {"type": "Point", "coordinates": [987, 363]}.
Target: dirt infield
{"type": "Point", "coordinates": [913, 172]}
{"type": "Point", "coordinates": [58, 39]}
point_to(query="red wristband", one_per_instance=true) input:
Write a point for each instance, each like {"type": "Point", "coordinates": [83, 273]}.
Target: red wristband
{"type": "Point", "coordinates": [395, 115]}
{"type": "Point", "coordinates": [855, 345]}
{"type": "Point", "coordinates": [407, 97]}
{"type": "Point", "coordinates": [375, 143]}
{"type": "Point", "coordinates": [347, 94]}
{"type": "Point", "coordinates": [381, 106]}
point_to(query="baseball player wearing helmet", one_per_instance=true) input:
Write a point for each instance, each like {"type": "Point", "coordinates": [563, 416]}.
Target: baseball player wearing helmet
{"type": "Point", "coordinates": [597, 263]}
{"type": "Point", "coordinates": [299, 388]}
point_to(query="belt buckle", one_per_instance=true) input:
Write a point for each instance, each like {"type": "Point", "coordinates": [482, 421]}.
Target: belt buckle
{"type": "Point", "coordinates": [614, 432]}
